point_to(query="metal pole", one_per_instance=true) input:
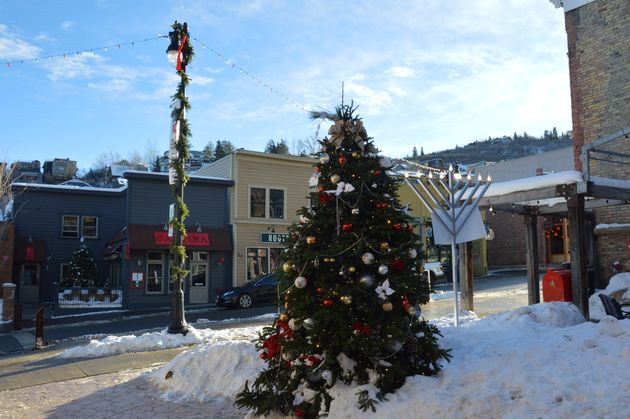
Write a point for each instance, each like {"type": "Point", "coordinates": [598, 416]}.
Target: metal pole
{"type": "Point", "coordinates": [454, 266]}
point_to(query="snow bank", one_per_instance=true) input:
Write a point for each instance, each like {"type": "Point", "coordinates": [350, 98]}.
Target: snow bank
{"type": "Point", "coordinates": [618, 282]}
{"type": "Point", "coordinates": [113, 345]}
{"type": "Point", "coordinates": [536, 361]}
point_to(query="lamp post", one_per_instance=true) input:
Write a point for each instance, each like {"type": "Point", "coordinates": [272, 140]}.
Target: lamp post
{"type": "Point", "coordinates": [179, 53]}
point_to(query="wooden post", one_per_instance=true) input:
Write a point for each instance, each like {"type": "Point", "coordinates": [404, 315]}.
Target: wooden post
{"type": "Point", "coordinates": [577, 237]}
{"type": "Point", "coordinates": [466, 274]}
{"type": "Point", "coordinates": [531, 257]}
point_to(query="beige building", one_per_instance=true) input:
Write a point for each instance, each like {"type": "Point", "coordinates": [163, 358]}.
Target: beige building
{"type": "Point", "coordinates": [268, 191]}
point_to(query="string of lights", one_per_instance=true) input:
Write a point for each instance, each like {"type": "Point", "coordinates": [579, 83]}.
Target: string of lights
{"type": "Point", "coordinates": [243, 71]}
{"type": "Point", "coordinates": [11, 63]}
{"type": "Point", "coordinates": [68, 54]}
{"type": "Point", "coordinates": [422, 166]}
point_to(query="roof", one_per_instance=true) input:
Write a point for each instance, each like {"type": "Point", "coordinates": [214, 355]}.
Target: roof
{"type": "Point", "coordinates": [43, 187]}
{"type": "Point", "coordinates": [157, 176]}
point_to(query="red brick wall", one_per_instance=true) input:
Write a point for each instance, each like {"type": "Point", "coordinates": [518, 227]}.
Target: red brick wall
{"type": "Point", "coordinates": [508, 246]}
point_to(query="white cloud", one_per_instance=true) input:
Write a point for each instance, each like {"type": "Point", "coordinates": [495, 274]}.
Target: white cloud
{"type": "Point", "coordinates": [68, 24]}
{"type": "Point", "coordinates": [201, 80]}
{"type": "Point", "coordinates": [113, 85]}
{"type": "Point", "coordinates": [43, 37]}
{"type": "Point", "coordinates": [372, 101]}
{"type": "Point", "coordinates": [72, 66]}
{"type": "Point", "coordinates": [400, 71]}
{"type": "Point", "coordinates": [14, 48]}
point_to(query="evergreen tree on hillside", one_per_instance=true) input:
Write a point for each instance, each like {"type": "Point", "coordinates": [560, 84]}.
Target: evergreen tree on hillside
{"type": "Point", "coordinates": [208, 150]}
{"type": "Point", "coordinates": [279, 147]}
{"type": "Point", "coordinates": [222, 149]}
{"type": "Point", "coordinates": [414, 153]}
{"type": "Point", "coordinates": [351, 286]}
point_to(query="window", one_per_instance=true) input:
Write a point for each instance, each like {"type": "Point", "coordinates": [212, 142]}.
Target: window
{"type": "Point", "coordinates": [266, 203]}
{"type": "Point", "coordinates": [198, 268]}
{"type": "Point", "coordinates": [276, 203]}
{"type": "Point", "coordinates": [90, 226]}
{"type": "Point", "coordinates": [70, 226]}
{"type": "Point", "coordinates": [155, 272]}
{"type": "Point", "coordinates": [261, 261]}
{"type": "Point", "coordinates": [64, 273]}
{"type": "Point", "coordinates": [257, 202]}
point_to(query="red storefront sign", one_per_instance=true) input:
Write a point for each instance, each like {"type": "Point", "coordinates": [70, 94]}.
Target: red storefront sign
{"type": "Point", "coordinates": [30, 253]}
{"type": "Point", "coordinates": [192, 239]}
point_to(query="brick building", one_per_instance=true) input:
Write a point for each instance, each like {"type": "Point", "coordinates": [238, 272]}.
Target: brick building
{"type": "Point", "coordinates": [598, 37]}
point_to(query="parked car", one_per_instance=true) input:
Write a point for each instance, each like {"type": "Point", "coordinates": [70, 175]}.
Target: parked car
{"type": "Point", "coordinates": [432, 271]}
{"type": "Point", "coordinates": [263, 289]}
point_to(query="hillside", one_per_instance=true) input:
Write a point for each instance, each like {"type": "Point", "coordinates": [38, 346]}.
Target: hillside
{"type": "Point", "coordinates": [497, 149]}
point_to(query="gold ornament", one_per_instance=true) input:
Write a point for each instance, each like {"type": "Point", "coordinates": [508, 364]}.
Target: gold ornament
{"type": "Point", "coordinates": [310, 240]}
{"type": "Point", "coordinates": [286, 305]}
{"type": "Point", "coordinates": [346, 299]}
{"type": "Point", "coordinates": [334, 179]}
{"type": "Point", "coordinates": [331, 260]}
{"type": "Point", "coordinates": [326, 260]}
{"type": "Point", "coordinates": [387, 306]}
{"type": "Point", "coordinates": [352, 269]}
{"type": "Point", "coordinates": [356, 154]}
{"type": "Point", "coordinates": [384, 246]}
{"type": "Point", "coordinates": [287, 267]}
{"type": "Point", "coordinates": [283, 317]}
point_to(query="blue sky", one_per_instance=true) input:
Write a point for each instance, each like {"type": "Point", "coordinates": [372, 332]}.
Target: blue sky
{"type": "Point", "coordinates": [429, 73]}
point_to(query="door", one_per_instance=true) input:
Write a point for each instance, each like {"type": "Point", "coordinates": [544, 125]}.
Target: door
{"type": "Point", "coordinates": [199, 278]}
{"type": "Point", "coordinates": [29, 283]}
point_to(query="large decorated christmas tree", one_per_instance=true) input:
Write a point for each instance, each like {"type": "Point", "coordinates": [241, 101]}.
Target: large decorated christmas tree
{"type": "Point", "coordinates": [82, 269]}
{"type": "Point", "coordinates": [350, 285]}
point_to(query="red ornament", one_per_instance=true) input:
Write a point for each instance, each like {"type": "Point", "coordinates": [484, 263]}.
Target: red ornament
{"type": "Point", "coordinates": [381, 205]}
{"type": "Point", "coordinates": [409, 228]}
{"type": "Point", "coordinates": [397, 226]}
{"type": "Point", "coordinates": [346, 227]}
{"type": "Point", "coordinates": [378, 172]}
{"type": "Point", "coordinates": [328, 302]}
{"type": "Point", "coordinates": [320, 189]}
{"type": "Point", "coordinates": [313, 360]}
{"type": "Point", "coordinates": [398, 264]}
{"type": "Point", "coordinates": [271, 346]}
{"type": "Point", "coordinates": [342, 160]}
{"type": "Point", "coordinates": [319, 290]}
{"type": "Point", "coordinates": [299, 412]}
{"type": "Point", "coordinates": [361, 328]}
{"type": "Point", "coordinates": [325, 197]}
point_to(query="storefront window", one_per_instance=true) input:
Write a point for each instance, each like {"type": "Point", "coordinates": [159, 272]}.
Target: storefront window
{"type": "Point", "coordinates": [257, 262]}
{"type": "Point", "coordinates": [155, 274]}
{"type": "Point", "coordinates": [274, 259]}
{"type": "Point", "coordinates": [198, 269]}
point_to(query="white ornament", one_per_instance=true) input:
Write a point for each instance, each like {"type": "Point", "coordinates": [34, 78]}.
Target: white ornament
{"type": "Point", "coordinates": [367, 280]}
{"type": "Point", "coordinates": [412, 253]}
{"type": "Point", "coordinates": [384, 290]}
{"type": "Point", "coordinates": [300, 282]}
{"type": "Point", "coordinates": [309, 323]}
{"type": "Point", "coordinates": [383, 269]}
{"type": "Point", "coordinates": [295, 324]}
{"type": "Point", "coordinates": [324, 159]}
{"type": "Point", "coordinates": [314, 180]}
{"type": "Point", "coordinates": [367, 258]}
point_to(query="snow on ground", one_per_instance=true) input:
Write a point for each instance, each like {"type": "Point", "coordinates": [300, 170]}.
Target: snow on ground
{"type": "Point", "coordinates": [617, 283]}
{"type": "Point", "coordinates": [542, 360]}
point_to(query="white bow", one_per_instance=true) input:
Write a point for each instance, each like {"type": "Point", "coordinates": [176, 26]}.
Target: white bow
{"type": "Point", "coordinates": [314, 180]}
{"type": "Point", "coordinates": [342, 187]}
{"type": "Point", "coordinates": [384, 290]}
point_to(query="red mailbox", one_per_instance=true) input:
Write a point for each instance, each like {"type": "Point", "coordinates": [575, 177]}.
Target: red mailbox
{"type": "Point", "coordinates": [557, 285]}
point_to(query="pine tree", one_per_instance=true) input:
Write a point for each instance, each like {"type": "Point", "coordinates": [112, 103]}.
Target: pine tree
{"type": "Point", "coordinates": [414, 153]}
{"type": "Point", "coordinates": [351, 288]}
{"type": "Point", "coordinates": [82, 268]}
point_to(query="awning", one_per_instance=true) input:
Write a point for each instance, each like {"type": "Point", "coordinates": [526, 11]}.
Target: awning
{"type": "Point", "coordinates": [29, 251]}
{"type": "Point", "coordinates": [155, 237]}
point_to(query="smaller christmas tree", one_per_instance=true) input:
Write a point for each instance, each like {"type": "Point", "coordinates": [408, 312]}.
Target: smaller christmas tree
{"type": "Point", "coordinates": [82, 269]}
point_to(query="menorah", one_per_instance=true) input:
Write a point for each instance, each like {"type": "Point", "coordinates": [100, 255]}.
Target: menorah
{"type": "Point", "coordinates": [455, 219]}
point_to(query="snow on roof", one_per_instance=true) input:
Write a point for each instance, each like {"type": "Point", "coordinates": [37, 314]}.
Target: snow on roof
{"type": "Point", "coordinates": [67, 187]}
{"type": "Point", "coordinates": [535, 182]}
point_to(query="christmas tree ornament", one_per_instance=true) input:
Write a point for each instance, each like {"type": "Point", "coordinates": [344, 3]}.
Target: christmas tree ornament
{"type": "Point", "coordinates": [398, 264]}
{"type": "Point", "coordinates": [295, 324]}
{"type": "Point", "coordinates": [388, 306]}
{"type": "Point", "coordinates": [286, 267]}
{"type": "Point", "coordinates": [325, 197]}
{"type": "Point", "coordinates": [356, 154]}
{"type": "Point", "coordinates": [411, 310]}
{"type": "Point", "coordinates": [409, 228]}
{"type": "Point", "coordinates": [326, 260]}
{"type": "Point", "coordinates": [308, 324]}
{"type": "Point", "coordinates": [367, 280]}
{"type": "Point", "coordinates": [324, 159]}
{"type": "Point", "coordinates": [384, 290]}
{"type": "Point", "coordinates": [286, 305]}
{"type": "Point", "coordinates": [288, 356]}
{"type": "Point", "coordinates": [412, 253]}
{"type": "Point", "coordinates": [381, 205]}
{"type": "Point", "coordinates": [310, 240]}
{"type": "Point", "coordinates": [383, 269]}
{"type": "Point", "coordinates": [342, 160]}
{"type": "Point", "coordinates": [346, 227]}
{"type": "Point", "coordinates": [284, 317]}
{"type": "Point", "coordinates": [327, 302]}
{"type": "Point", "coordinates": [316, 262]}
{"type": "Point", "coordinates": [342, 272]}
{"type": "Point", "coordinates": [352, 269]}
{"type": "Point", "coordinates": [320, 188]}
{"type": "Point", "coordinates": [397, 226]}
{"type": "Point", "coordinates": [320, 290]}
{"type": "Point", "coordinates": [300, 282]}
{"type": "Point", "coordinates": [367, 258]}
{"type": "Point", "coordinates": [334, 179]}
{"type": "Point", "coordinates": [384, 246]}
{"type": "Point", "coordinates": [355, 211]}
{"type": "Point", "coordinates": [346, 299]}
{"type": "Point", "coordinates": [327, 376]}
{"type": "Point", "coordinates": [331, 260]}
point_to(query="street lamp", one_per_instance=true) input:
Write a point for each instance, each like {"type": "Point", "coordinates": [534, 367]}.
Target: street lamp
{"type": "Point", "coordinates": [179, 53]}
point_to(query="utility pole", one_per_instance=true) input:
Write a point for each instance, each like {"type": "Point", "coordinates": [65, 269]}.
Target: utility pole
{"type": "Point", "coordinates": [179, 53]}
